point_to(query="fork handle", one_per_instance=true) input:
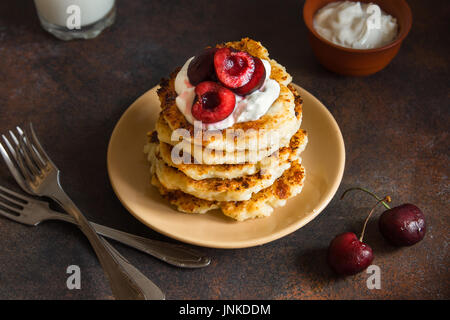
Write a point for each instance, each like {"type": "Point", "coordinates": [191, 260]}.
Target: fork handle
{"type": "Point", "coordinates": [177, 255]}
{"type": "Point", "coordinates": [127, 282]}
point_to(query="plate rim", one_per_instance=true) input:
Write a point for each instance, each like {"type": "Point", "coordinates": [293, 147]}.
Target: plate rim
{"type": "Point", "coordinates": [242, 243]}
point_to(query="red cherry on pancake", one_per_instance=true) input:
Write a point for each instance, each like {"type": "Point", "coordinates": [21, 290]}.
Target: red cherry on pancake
{"type": "Point", "coordinates": [213, 102]}
{"type": "Point", "coordinates": [201, 67]}
{"type": "Point", "coordinates": [256, 81]}
{"type": "Point", "coordinates": [233, 68]}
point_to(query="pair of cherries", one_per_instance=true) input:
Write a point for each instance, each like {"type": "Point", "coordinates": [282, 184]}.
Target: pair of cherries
{"type": "Point", "coordinates": [400, 226]}
{"type": "Point", "coordinates": [219, 74]}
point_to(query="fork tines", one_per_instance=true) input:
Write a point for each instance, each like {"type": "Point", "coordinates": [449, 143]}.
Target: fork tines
{"type": "Point", "coordinates": [26, 158]}
{"type": "Point", "coordinates": [12, 196]}
{"type": "Point", "coordinates": [11, 203]}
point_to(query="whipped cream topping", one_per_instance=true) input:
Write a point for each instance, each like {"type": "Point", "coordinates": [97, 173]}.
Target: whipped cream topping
{"type": "Point", "coordinates": [248, 108]}
{"type": "Point", "coordinates": [355, 25]}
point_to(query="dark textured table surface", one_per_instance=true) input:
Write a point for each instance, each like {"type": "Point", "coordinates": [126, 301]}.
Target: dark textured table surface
{"type": "Point", "coordinates": [395, 126]}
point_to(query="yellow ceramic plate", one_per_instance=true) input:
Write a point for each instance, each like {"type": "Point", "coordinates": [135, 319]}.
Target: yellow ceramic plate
{"type": "Point", "coordinates": [128, 169]}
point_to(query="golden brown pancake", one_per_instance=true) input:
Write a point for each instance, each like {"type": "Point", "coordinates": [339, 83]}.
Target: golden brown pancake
{"type": "Point", "coordinates": [230, 171]}
{"type": "Point", "coordinates": [261, 204]}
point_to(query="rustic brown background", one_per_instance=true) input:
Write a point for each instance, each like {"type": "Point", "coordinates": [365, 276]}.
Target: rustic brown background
{"type": "Point", "coordinates": [395, 125]}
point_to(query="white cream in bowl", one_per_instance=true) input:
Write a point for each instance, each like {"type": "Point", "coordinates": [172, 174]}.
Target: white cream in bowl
{"type": "Point", "coordinates": [355, 25]}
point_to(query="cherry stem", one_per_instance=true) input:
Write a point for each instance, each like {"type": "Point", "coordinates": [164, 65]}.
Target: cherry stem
{"type": "Point", "coordinates": [388, 199]}
{"type": "Point", "coordinates": [369, 192]}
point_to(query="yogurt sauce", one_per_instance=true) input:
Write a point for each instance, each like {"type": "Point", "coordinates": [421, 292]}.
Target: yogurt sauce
{"type": "Point", "coordinates": [248, 108]}
{"type": "Point", "coordinates": [355, 25]}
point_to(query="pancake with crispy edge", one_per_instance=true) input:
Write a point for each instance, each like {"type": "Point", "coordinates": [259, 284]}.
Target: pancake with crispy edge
{"type": "Point", "coordinates": [261, 204]}
{"type": "Point", "coordinates": [231, 171]}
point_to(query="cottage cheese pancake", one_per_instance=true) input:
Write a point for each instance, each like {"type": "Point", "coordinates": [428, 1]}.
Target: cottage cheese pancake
{"type": "Point", "coordinates": [238, 188]}
{"type": "Point", "coordinates": [215, 189]}
{"type": "Point", "coordinates": [209, 156]}
{"type": "Point", "coordinates": [231, 171]}
{"type": "Point", "coordinates": [259, 205]}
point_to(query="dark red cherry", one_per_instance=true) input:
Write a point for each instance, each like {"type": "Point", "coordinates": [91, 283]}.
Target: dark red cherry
{"type": "Point", "coordinates": [256, 81]}
{"type": "Point", "coordinates": [213, 102]}
{"type": "Point", "coordinates": [234, 69]}
{"type": "Point", "coordinates": [201, 67]}
{"type": "Point", "coordinates": [347, 255]}
{"type": "Point", "coordinates": [403, 225]}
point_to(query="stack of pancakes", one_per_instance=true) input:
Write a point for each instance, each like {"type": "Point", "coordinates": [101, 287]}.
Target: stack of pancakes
{"type": "Point", "coordinates": [231, 172]}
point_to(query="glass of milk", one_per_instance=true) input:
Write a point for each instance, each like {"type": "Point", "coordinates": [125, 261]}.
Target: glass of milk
{"type": "Point", "coordinates": [76, 19]}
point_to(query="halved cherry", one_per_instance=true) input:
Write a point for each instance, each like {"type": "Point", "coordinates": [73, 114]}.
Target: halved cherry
{"type": "Point", "coordinates": [233, 68]}
{"type": "Point", "coordinates": [256, 81]}
{"type": "Point", "coordinates": [201, 67]}
{"type": "Point", "coordinates": [213, 102]}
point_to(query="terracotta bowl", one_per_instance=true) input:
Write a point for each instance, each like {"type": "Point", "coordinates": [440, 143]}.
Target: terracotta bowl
{"type": "Point", "coordinates": [357, 62]}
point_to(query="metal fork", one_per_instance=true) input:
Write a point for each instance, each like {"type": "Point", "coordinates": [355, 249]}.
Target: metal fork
{"type": "Point", "coordinates": [38, 175]}
{"type": "Point", "coordinates": [32, 212]}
